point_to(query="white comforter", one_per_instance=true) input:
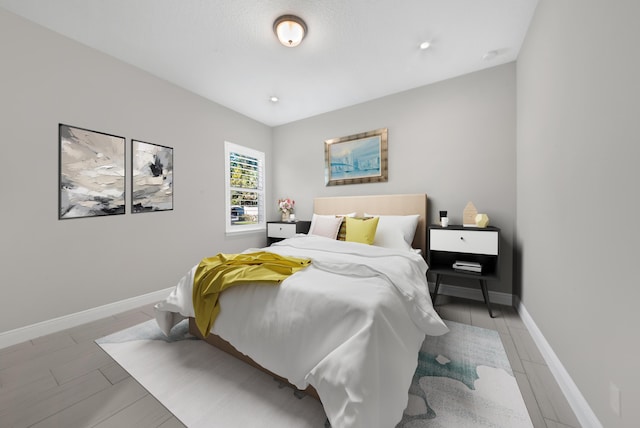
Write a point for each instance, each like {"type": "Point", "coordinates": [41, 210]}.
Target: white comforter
{"type": "Point", "coordinates": [350, 325]}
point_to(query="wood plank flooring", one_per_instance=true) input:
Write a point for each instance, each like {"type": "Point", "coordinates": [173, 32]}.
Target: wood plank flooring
{"type": "Point", "coordinates": [66, 380]}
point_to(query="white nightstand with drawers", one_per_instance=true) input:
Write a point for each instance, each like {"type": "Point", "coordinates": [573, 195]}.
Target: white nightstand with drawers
{"type": "Point", "coordinates": [279, 230]}
{"type": "Point", "coordinates": [475, 246]}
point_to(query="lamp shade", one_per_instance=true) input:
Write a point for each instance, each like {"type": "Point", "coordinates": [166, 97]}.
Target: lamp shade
{"type": "Point", "coordinates": [290, 30]}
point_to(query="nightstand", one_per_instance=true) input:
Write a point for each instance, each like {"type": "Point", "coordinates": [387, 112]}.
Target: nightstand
{"type": "Point", "coordinates": [279, 230]}
{"type": "Point", "coordinates": [476, 246]}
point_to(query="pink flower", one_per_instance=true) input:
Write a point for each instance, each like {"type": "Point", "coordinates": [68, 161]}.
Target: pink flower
{"type": "Point", "coordinates": [286, 205]}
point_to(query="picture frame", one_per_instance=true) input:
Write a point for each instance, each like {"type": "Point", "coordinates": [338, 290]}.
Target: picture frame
{"type": "Point", "coordinates": [358, 158]}
{"type": "Point", "coordinates": [151, 177]}
{"type": "Point", "coordinates": [91, 179]}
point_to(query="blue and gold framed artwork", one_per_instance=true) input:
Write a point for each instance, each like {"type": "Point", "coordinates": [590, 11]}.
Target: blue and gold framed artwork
{"type": "Point", "coordinates": [358, 158]}
{"type": "Point", "coordinates": [151, 177]}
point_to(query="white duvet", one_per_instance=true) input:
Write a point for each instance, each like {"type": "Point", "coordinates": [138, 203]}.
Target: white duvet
{"type": "Point", "coordinates": [350, 325]}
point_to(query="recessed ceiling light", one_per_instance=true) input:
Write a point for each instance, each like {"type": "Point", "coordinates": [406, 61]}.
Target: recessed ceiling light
{"type": "Point", "coordinates": [489, 55]}
{"type": "Point", "coordinates": [425, 45]}
{"type": "Point", "coordinates": [274, 99]}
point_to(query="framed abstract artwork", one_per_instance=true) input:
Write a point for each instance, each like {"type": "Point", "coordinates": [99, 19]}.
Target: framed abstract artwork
{"type": "Point", "coordinates": [91, 173]}
{"type": "Point", "coordinates": [151, 177]}
{"type": "Point", "coordinates": [359, 158]}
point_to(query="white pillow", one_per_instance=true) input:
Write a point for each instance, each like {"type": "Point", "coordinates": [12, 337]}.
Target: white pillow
{"type": "Point", "coordinates": [325, 225]}
{"type": "Point", "coordinates": [395, 231]}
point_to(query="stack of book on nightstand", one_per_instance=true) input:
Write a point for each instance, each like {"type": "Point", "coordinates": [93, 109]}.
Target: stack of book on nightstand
{"type": "Point", "coordinates": [472, 267]}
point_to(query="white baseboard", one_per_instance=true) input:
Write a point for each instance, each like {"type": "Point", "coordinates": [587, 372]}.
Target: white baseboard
{"type": "Point", "coordinates": [576, 400]}
{"type": "Point", "coordinates": [496, 297]}
{"type": "Point", "coordinates": [33, 331]}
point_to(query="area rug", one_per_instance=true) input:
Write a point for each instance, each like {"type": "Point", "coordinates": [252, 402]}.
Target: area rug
{"type": "Point", "coordinates": [463, 380]}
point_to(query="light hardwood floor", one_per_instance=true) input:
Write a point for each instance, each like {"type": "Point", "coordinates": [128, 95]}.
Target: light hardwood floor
{"type": "Point", "coordinates": [66, 380]}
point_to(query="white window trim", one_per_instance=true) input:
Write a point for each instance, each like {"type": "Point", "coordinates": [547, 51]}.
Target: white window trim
{"type": "Point", "coordinates": [262, 223]}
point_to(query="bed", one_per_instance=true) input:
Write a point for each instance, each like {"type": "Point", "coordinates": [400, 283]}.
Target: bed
{"type": "Point", "coordinates": [346, 329]}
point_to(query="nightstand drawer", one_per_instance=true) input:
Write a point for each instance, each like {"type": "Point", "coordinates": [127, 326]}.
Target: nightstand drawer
{"type": "Point", "coordinates": [281, 230]}
{"type": "Point", "coordinates": [464, 241]}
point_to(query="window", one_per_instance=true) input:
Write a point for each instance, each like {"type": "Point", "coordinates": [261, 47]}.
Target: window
{"type": "Point", "coordinates": [244, 185]}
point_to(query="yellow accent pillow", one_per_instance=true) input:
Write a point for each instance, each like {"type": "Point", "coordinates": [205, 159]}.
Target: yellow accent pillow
{"type": "Point", "coordinates": [342, 232]}
{"type": "Point", "coordinates": [361, 230]}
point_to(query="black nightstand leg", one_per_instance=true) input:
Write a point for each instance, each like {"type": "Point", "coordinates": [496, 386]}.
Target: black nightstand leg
{"type": "Point", "coordinates": [435, 290]}
{"type": "Point", "coordinates": [485, 294]}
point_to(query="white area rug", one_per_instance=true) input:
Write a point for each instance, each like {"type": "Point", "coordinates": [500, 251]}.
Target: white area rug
{"type": "Point", "coordinates": [463, 380]}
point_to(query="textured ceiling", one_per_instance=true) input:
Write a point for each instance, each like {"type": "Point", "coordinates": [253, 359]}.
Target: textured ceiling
{"type": "Point", "coordinates": [355, 50]}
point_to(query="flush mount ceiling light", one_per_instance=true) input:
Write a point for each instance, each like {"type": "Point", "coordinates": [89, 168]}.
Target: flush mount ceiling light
{"type": "Point", "coordinates": [290, 30]}
{"type": "Point", "coordinates": [425, 45]}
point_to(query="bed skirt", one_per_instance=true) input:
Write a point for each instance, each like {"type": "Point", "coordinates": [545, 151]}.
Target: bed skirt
{"type": "Point", "coordinates": [225, 346]}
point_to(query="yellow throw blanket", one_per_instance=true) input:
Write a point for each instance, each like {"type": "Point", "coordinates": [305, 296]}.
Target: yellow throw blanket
{"type": "Point", "coordinates": [216, 274]}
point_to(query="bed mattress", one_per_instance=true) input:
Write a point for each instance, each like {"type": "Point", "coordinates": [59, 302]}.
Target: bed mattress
{"type": "Point", "coordinates": [350, 325]}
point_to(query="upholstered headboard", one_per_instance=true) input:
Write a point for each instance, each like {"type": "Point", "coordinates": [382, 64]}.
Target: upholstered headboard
{"type": "Point", "coordinates": [382, 205]}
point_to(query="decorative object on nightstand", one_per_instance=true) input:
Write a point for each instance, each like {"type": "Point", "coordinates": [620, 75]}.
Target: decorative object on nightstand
{"type": "Point", "coordinates": [286, 208]}
{"type": "Point", "coordinates": [464, 252]}
{"type": "Point", "coordinates": [444, 220]}
{"type": "Point", "coordinates": [462, 266]}
{"type": "Point", "coordinates": [482, 220]}
{"type": "Point", "coordinates": [279, 230]}
{"type": "Point", "coordinates": [469, 215]}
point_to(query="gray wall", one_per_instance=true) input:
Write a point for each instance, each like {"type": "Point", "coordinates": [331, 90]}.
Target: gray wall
{"type": "Point", "coordinates": [50, 268]}
{"type": "Point", "coordinates": [453, 140]}
{"type": "Point", "coordinates": [578, 176]}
